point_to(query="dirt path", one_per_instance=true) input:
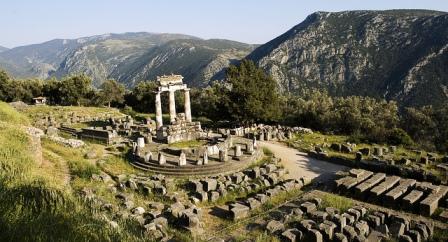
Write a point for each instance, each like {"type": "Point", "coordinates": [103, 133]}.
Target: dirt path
{"type": "Point", "coordinates": [300, 165]}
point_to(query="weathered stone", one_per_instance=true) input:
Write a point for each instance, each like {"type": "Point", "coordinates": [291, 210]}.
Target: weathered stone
{"type": "Point", "coordinates": [369, 183]}
{"type": "Point", "coordinates": [213, 196]}
{"type": "Point", "coordinates": [275, 227]}
{"type": "Point", "coordinates": [327, 231]}
{"type": "Point", "coordinates": [307, 224]}
{"type": "Point", "coordinates": [362, 228]}
{"type": "Point", "coordinates": [209, 184]}
{"type": "Point", "coordinates": [412, 197]}
{"type": "Point", "coordinates": [399, 190]}
{"type": "Point", "coordinates": [397, 228]}
{"type": "Point", "coordinates": [350, 219]}
{"type": "Point", "coordinates": [253, 203]}
{"type": "Point", "coordinates": [176, 209]}
{"type": "Point", "coordinates": [271, 168]}
{"type": "Point", "coordinates": [138, 211]}
{"type": "Point", "coordinates": [429, 205]}
{"type": "Point", "coordinates": [308, 207]}
{"type": "Point", "coordinates": [350, 232]}
{"type": "Point", "coordinates": [415, 236]}
{"type": "Point", "coordinates": [313, 235]}
{"type": "Point", "coordinates": [355, 213]}
{"type": "Point", "coordinates": [239, 212]}
{"type": "Point", "coordinates": [319, 216]}
{"type": "Point", "coordinates": [421, 229]}
{"type": "Point", "coordinates": [161, 159]}
{"type": "Point", "coordinates": [404, 238]}
{"type": "Point", "coordinates": [182, 161]}
{"type": "Point", "coordinates": [292, 235]}
{"type": "Point", "coordinates": [387, 184]}
{"type": "Point", "coordinates": [202, 196]}
{"type": "Point", "coordinates": [223, 155]}
{"type": "Point", "coordinates": [238, 152]}
{"type": "Point", "coordinates": [378, 151]}
{"type": "Point", "coordinates": [339, 237]}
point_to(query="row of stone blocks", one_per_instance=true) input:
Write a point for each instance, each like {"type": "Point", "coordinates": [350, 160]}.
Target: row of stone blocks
{"type": "Point", "coordinates": [212, 188]}
{"type": "Point", "coordinates": [240, 210]}
{"type": "Point", "coordinates": [393, 190]}
{"type": "Point", "coordinates": [304, 222]}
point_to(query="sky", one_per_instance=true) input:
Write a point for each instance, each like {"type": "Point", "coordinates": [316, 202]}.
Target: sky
{"type": "Point", "coordinates": [24, 22]}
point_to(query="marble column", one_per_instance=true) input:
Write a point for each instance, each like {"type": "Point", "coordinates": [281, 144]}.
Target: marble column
{"type": "Point", "coordinates": [187, 105]}
{"type": "Point", "coordinates": [172, 107]}
{"type": "Point", "coordinates": [159, 120]}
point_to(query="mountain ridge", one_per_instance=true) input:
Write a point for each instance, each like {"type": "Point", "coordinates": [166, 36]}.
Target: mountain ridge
{"type": "Point", "coordinates": [109, 56]}
{"type": "Point", "coordinates": [396, 54]}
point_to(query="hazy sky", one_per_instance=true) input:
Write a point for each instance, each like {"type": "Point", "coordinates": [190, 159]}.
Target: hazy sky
{"type": "Point", "coordinates": [253, 21]}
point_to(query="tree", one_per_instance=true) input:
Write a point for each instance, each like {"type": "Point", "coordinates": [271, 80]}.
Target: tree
{"type": "Point", "coordinates": [253, 95]}
{"type": "Point", "coordinates": [75, 90]}
{"type": "Point", "coordinates": [142, 97]}
{"type": "Point", "coordinates": [112, 92]}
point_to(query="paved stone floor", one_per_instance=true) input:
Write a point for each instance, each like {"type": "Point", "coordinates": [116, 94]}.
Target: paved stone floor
{"type": "Point", "coordinates": [300, 165]}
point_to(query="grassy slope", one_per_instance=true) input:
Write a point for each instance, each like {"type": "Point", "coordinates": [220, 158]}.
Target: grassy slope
{"type": "Point", "coordinates": [34, 205]}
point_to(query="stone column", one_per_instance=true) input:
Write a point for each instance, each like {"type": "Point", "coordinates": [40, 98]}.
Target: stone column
{"type": "Point", "coordinates": [172, 106]}
{"type": "Point", "coordinates": [159, 120]}
{"type": "Point", "coordinates": [187, 105]}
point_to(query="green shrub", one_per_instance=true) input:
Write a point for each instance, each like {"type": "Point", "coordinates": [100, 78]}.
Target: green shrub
{"type": "Point", "coordinates": [399, 137]}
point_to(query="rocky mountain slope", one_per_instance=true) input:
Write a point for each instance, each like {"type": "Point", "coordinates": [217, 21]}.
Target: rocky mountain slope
{"type": "Point", "coordinates": [399, 55]}
{"type": "Point", "coordinates": [128, 58]}
{"type": "Point", "coordinates": [3, 48]}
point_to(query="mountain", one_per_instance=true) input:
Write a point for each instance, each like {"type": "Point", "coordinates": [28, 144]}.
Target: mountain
{"type": "Point", "coordinates": [399, 55]}
{"type": "Point", "coordinates": [128, 58]}
{"type": "Point", "coordinates": [199, 61]}
{"type": "Point", "coordinates": [3, 48]}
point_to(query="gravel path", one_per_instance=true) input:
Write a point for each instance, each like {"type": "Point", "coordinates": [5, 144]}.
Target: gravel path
{"type": "Point", "coordinates": [300, 165]}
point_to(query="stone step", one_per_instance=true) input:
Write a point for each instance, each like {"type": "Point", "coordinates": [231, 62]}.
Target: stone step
{"type": "Point", "coordinates": [187, 172]}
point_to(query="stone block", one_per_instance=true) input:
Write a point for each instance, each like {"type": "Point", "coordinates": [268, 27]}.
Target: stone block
{"type": "Point", "coordinates": [209, 184]}
{"type": "Point", "coordinates": [431, 202]}
{"type": "Point", "coordinates": [339, 237]}
{"type": "Point", "coordinates": [319, 216]}
{"type": "Point", "coordinates": [384, 186]}
{"type": "Point", "coordinates": [308, 207]}
{"type": "Point", "coordinates": [350, 232]}
{"type": "Point", "coordinates": [213, 196]}
{"type": "Point", "coordinates": [239, 212]}
{"type": "Point", "coordinates": [275, 227]}
{"type": "Point", "coordinates": [253, 203]}
{"type": "Point", "coordinates": [313, 235]}
{"type": "Point", "coordinates": [369, 183]}
{"type": "Point", "coordinates": [411, 198]}
{"type": "Point", "coordinates": [398, 191]}
{"type": "Point", "coordinates": [327, 231]}
{"type": "Point", "coordinates": [292, 235]}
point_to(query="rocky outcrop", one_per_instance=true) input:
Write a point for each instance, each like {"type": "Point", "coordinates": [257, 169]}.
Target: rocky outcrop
{"type": "Point", "coordinates": [398, 55]}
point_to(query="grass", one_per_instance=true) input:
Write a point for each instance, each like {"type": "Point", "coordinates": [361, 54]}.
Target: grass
{"type": "Point", "coordinates": [335, 201]}
{"type": "Point", "coordinates": [307, 143]}
{"type": "Point", "coordinates": [35, 206]}
{"type": "Point", "coordinates": [117, 165]}
{"type": "Point", "coordinates": [188, 144]}
{"type": "Point", "coordinates": [35, 113]}
{"type": "Point", "coordinates": [9, 115]}
{"type": "Point", "coordinates": [77, 163]}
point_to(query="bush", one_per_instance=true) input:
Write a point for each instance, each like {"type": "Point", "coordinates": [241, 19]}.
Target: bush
{"type": "Point", "coordinates": [399, 137]}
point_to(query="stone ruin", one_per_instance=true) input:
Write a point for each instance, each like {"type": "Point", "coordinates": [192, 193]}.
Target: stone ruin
{"type": "Point", "coordinates": [181, 127]}
{"type": "Point", "coordinates": [393, 191]}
